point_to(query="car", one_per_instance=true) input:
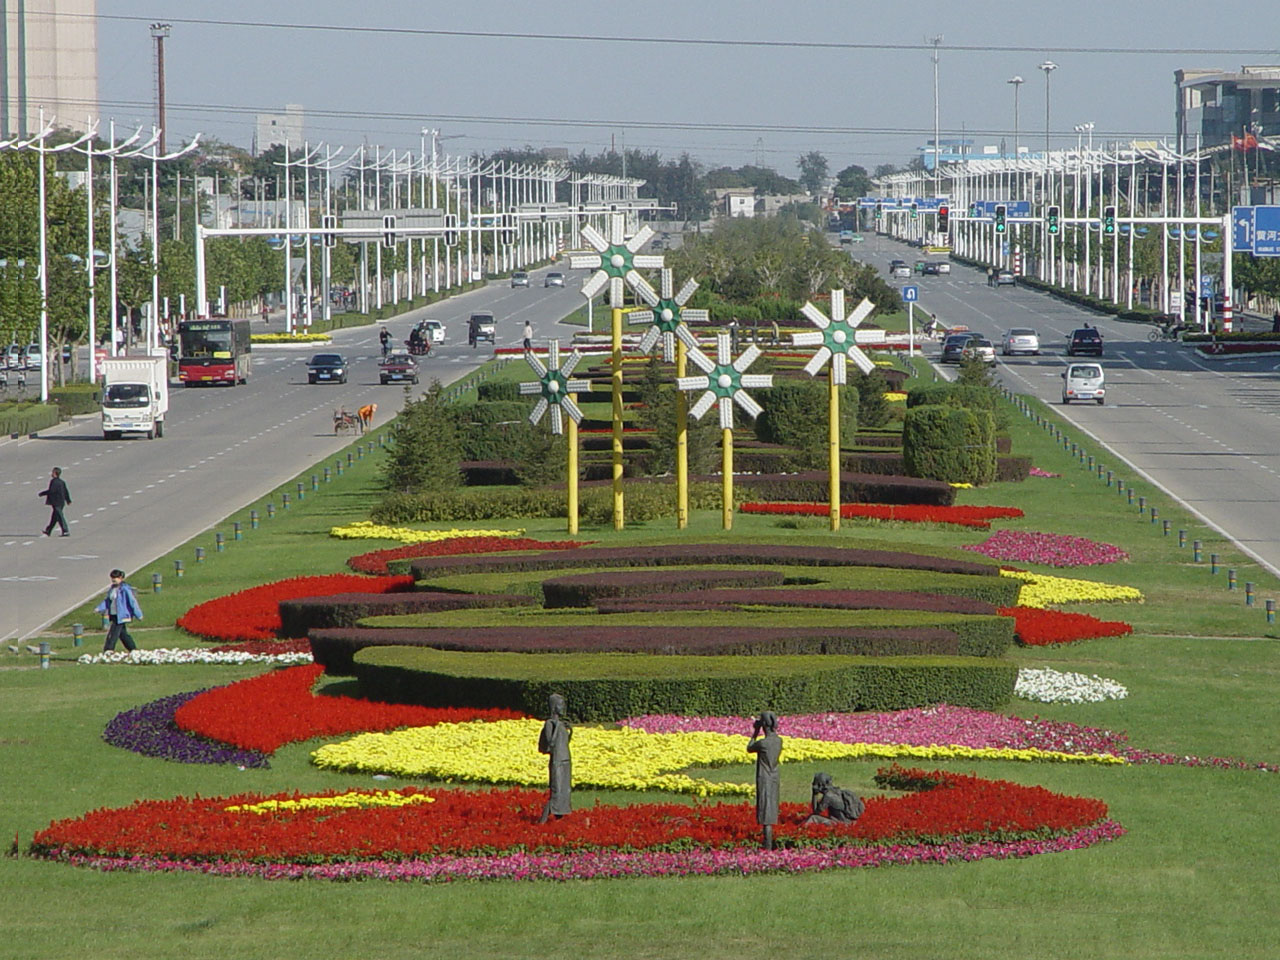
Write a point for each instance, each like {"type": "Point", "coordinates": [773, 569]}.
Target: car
{"type": "Point", "coordinates": [553, 279]}
{"type": "Point", "coordinates": [929, 270]}
{"type": "Point", "coordinates": [1085, 342]}
{"type": "Point", "coordinates": [856, 238]}
{"type": "Point", "coordinates": [895, 262]}
{"type": "Point", "coordinates": [944, 267]}
{"type": "Point", "coordinates": [1084, 381]}
{"type": "Point", "coordinates": [846, 236]}
{"type": "Point", "coordinates": [520, 279]}
{"type": "Point", "coordinates": [13, 356]}
{"type": "Point", "coordinates": [432, 330]}
{"type": "Point", "coordinates": [1005, 278]}
{"type": "Point", "coordinates": [31, 356]}
{"type": "Point", "coordinates": [481, 326]}
{"type": "Point", "coordinates": [398, 366]}
{"type": "Point", "coordinates": [953, 346]}
{"type": "Point", "coordinates": [327, 368]}
{"type": "Point", "coordinates": [979, 348]}
{"type": "Point", "coordinates": [920, 267]}
{"type": "Point", "coordinates": [1020, 340]}
{"type": "Point", "coordinates": [901, 272]}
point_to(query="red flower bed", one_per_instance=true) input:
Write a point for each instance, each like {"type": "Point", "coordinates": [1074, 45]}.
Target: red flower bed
{"type": "Point", "coordinates": [980, 517]}
{"type": "Point", "coordinates": [253, 614]}
{"type": "Point", "coordinates": [296, 645]}
{"type": "Point", "coordinates": [948, 806]}
{"type": "Point", "coordinates": [1037, 628]}
{"type": "Point", "coordinates": [375, 561]}
{"type": "Point", "coordinates": [266, 712]}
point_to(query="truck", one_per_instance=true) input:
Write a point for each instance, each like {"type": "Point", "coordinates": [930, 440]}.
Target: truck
{"type": "Point", "coordinates": [135, 395]}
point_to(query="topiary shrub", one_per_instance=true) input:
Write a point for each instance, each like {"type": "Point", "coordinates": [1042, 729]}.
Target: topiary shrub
{"type": "Point", "coordinates": [796, 415]}
{"type": "Point", "coordinates": [949, 443]}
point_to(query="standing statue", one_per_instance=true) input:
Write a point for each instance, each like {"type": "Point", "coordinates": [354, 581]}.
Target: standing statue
{"type": "Point", "coordinates": [554, 741]}
{"type": "Point", "coordinates": [767, 748]}
{"type": "Point", "coordinates": [833, 805]}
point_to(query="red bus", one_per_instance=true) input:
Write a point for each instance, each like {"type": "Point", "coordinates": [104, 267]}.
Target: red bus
{"type": "Point", "coordinates": [213, 351]}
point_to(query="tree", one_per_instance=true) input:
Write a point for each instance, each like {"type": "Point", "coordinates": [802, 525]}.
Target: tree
{"type": "Point", "coordinates": [813, 170]}
{"type": "Point", "coordinates": [425, 447]}
{"type": "Point", "coordinates": [852, 182]}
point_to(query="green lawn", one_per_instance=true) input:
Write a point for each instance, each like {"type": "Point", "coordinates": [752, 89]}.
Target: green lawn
{"type": "Point", "coordinates": [1194, 877]}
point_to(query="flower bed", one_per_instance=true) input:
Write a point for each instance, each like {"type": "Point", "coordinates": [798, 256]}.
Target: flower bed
{"type": "Point", "coordinates": [1036, 627]}
{"type": "Point", "coordinates": [294, 645]}
{"type": "Point", "coordinates": [375, 562]}
{"type": "Point", "coordinates": [150, 731]}
{"type": "Point", "coordinates": [1053, 686]}
{"type": "Point", "coordinates": [254, 614]}
{"type": "Point", "coordinates": [1051, 549]}
{"type": "Point", "coordinates": [266, 712]}
{"type": "Point", "coordinates": [171, 655]}
{"type": "Point", "coordinates": [1043, 590]}
{"type": "Point", "coordinates": [584, 589]}
{"type": "Point", "coordinates": [299, 617]}
{"type": "Point", "coordinates": [943, 811]}
{"type": "Point", "coordinates": [368, 530]}
{"type": "Point", "coordinates": [799, 597]}
{"type": "Point", "coordinates": [1037, 472]}
{"type": "Point", "coordinates": [979, 517]}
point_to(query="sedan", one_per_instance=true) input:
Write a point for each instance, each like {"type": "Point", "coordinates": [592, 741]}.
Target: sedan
{"type": "Point", "coordinates": [433, 330]}
{"type": "Point", "coordinates": [953, 347]}
{"type": "Point", "coordinates": [327, 367]}
{"type": "Point", "coordinates": [553, 279]}
{"type": "Point", "coordinates": [519, 279]}
{"type": "Point", "coordinates": [929, 270]}
{"type": "Point", "coordinates": [398, 366]}
{"type": "Point", "coordinates": [1005, 278]}
{"type": "Point", "coordinates": [1084, 342]}
{"type": "Point", "coordinates": [944, 267]}
{"type": "Point", "coordinates": [979, 349]}
{"type": "Point", "coordinates": [901, 272]}
{"type": "Point", "coordinates": [1020, 340]}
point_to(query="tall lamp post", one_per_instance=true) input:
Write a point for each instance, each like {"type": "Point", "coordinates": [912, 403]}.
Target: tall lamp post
{"type": "Point", "coordinates": [1017, 82]}
{"type": "Point", "coordinates": [1048, 67]}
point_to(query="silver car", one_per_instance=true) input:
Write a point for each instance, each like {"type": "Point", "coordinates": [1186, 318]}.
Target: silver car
{"type": "Point", "coordinates": [519, 279]}
{"type": "Point", "coordinates": [979, 349]}
{"type": "Point", "coordinates": [1020, 340]}
{"type": "Point", "coordinates": [553, 279]}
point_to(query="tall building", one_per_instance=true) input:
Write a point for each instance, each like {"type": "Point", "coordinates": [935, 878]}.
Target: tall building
{"type": "Point", "coordinates": [273, 128]}
{"type": "Point", "coordinates": [1218, 105]}
{"type": "Point", "coordinates": [49, 59]}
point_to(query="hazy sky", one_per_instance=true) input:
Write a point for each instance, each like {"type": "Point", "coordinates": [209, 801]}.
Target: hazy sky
{"type": "Point", "coordinates": [724, 104]}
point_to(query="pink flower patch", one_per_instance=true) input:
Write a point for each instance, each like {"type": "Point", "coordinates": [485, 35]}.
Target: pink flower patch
{"type": "Point", "coordinates": [1051, 549]}
{"type": "Point", "coordinates": [1037, 472]}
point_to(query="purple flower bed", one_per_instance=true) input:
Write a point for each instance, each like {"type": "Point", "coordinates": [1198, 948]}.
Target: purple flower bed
{"type": "Point", "coordinates": [345, 609]}
{"type": "Point", "coordinates": [824, 599]}
{"type": "Point", "coordinates": [614, 864]}
{"type": "Point", "coordinates": [1052, 549]}
{"type": "Point", "coordinates": [150, 731]}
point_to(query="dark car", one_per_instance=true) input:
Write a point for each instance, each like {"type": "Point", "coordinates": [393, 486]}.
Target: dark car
{"type": "Point", "coordinates": [953, 346]}
{"type": "Point", "coordinates": [1085, 342]}
{"type": "Point", "coordinates": [398, 366]}
{"type": "Point", "coordinates": [327, 367]}
{"type": "Point", "coordinates": [481, 326]}
{"type": "Point", "coordinates": [929, 269]}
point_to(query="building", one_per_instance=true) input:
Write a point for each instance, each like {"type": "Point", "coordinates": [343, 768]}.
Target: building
{"type": "Point", "coordinates": [948, 151]}
{"type": "Point", "coordinates": [736, 201]}
{"type": "Point", "coordinates": [49, 59]}
{"type": "Point", "coordinates": [276, 128]}
{"type": "Point", "coordinates": [1217, 105]}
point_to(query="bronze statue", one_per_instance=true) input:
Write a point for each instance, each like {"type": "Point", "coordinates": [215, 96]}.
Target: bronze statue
{"type": "Point", "coordinates": [833, 805]}
{"type": "Point", "coordinates": [767, 749]}
{"type": "Point", "coordinates": [554, 741]}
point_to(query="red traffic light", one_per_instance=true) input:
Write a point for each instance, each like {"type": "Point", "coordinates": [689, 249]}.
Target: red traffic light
{"type": "Point", "coordinates": [944, 212]}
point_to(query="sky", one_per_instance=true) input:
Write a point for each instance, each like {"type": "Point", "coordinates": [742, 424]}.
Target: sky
{"type": "Point", "coordinates": [391, 67]}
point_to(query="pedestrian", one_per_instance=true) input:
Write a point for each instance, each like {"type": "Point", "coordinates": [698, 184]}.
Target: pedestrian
{"type": "Point", "coordinates": [121, 606]}
{"type": "Point", "coordinates": [385, 339]}
{"type": "Point", "coordinates": [266, 314]}
{"type": "Point", "coordinates": [767, 749]}
{"type": "Point", "coordinates": [1275, 322]}
{"type": "Point", "coordinates": [56, 496]}
{"type": "Point", "coordinates": [528, 336]}
{"type": "Point", "coordinates": [991, 276]}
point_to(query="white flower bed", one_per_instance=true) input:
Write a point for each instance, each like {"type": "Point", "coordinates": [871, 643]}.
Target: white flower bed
{"type": "Point", "coordinates": [165, 655]}
{"type": "Point", "coordinates": [1053, 686]}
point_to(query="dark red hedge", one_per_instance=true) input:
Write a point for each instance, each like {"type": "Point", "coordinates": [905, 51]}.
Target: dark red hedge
{"type": "Point", "coordinates": [584, 589]}
{"type": "Point", "coordinates": [824, 599]}
{"type": "Point", "coordinates": [299, 616]}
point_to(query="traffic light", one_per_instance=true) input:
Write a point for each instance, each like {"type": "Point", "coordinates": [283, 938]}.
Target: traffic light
{"type": "Point", "coordinates": [542, 214]}
{"type": "Point", "coordinates": [329, 222]}
{"type": "Point", "coordinates": [508, 229]}
{"type": "Point", "coordinates": [1109, 221]}
{"type": "Point", "coordinates": [389, 231]}
{"type": "Point", "coordinates": [879, 211]}
{"type": "Point", "coordinates": [914, 210]}
{"type": "Point", "coordinates": [451, 229]}
{"type": "Point", "coordinates": [1052, 220]}
{"type": "Point", "coordinates": [1001, 209]}
{"type": "Point", "coordinates": [944, 217]}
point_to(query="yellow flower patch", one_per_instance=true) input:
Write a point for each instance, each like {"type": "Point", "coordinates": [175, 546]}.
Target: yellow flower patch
{"type": "Point", "coordinates": [343, 801]}
{"type": "Point", "coordinates": [626, 759]}
{"type": "Point", "coordinates": [895, 396]}
{"type": "Point", "coordinates": [1043, 590]}
{"type": "Point", "coordinates": [368, 530]}
{"type": "Point", "coordinates": [290, 338]}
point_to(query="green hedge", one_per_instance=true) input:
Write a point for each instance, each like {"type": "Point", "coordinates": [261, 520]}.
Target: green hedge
{"type": "Point", "coordinates": [949, 443]}
{"type": "Point", "coordinates": [22, 417]}
{"type": "Point", "coordinates": [74, 399]}
{"type": "Point", "coordinates": [608, 687]}
{"type": "Point", "coordinates": [795, 415]}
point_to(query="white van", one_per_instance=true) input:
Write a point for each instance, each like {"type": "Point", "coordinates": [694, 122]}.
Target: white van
{"type": "Point", "coordinates": [1084, 381]}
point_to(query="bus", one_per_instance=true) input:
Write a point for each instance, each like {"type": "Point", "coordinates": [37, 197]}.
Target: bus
{"type": "Point", "coordinates": [213, 351]}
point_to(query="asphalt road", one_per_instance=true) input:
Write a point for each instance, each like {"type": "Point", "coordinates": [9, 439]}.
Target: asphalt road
{"type": "Point", "coordinates": [1205, 431]}
{"type": "Point", "coordinates": [223, 447]}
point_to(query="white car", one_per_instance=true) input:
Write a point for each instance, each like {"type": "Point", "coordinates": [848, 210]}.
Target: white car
{"type": "Point", "coordinates": [433, 330]}
{"type": "Point", "coordinates": [979, 348]}
{"type": "Point", "coordinates": [13, 356]}
{"type": "Point", "coordinates": [944, 267]}
{"type": "Point", "coordinates": [1084, 381]}
{"type": "Point", "coordinates": [901, 272]}
{"type": "Point", "coordinates": [1020, 340]}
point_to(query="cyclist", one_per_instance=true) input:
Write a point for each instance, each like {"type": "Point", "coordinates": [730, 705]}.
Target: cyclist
{"type": "Point", "coordinates": [385, 338]}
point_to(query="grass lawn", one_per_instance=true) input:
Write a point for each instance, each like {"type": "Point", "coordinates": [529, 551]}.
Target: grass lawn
{"type": "Point", "coordinates": [1194, 877]}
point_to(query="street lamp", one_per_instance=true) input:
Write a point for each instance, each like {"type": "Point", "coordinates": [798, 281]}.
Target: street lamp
{"type": "Point", "coordinates": [1048, 67]}
{"type": "Point", "coordinates": [1017, 82]}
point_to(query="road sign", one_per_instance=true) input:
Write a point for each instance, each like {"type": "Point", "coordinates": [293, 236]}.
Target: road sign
{"type": "Point", "coordinates": [910, 294]}
{"type": "Point", "coordinates": [1257, 229]}
{"type": "Point", "coordinates": [1004, 248]}
{"type": "Point", "coordinates": [1206, 285]}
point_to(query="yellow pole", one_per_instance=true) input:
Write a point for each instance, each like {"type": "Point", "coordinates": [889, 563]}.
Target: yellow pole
{"type": "Point", "coordinates": [617, 418]}
{"type": "Point", "coordinates": [682, 442]}
{"type": "Point", "coordinates": [573, 472]}
{"type": "Point", "coordinates": [833, 449]}
{"type": "Point", "coordinates": [726, 464]}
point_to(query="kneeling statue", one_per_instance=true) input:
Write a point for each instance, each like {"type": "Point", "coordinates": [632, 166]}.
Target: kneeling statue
{"type": "Point", "coordinates": [833, 805]}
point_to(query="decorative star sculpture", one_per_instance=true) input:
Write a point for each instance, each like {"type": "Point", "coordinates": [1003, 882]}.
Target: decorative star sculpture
{"type": "Point", "coordinates": [837, 337]}
{"type": "Point", "coordinates": [615, 262]}
{"type": "Point", "coordinates": [667, 317]}
{"type": "Point", "coordinates": [725, 382]}
{"type": "Point", "coordinates": [555, 387]}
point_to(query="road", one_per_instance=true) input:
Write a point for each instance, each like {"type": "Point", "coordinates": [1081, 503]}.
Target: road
{"type": "Point", "coordinates": [135, 499]}
{"type": "Point", "coordinates": [1205, 431]}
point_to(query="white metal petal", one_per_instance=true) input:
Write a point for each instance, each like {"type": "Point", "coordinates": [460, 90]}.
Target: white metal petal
{"type": "Point", "coordinates": [538, 410]}
{"type": "Point", "coordinates": [747, 358]}
{"type": "Point", "coordinates": [685, 335]}
{"type": "Point", "coordinates": [641, 316]}
{"type": "Point", "coordinates": [748, 404]}
{"type": "Point", "coordinates": [553, 354]}
{"type": "Point", "coordinates": [694, 316]}
{"type": "Point", "coordinates": [617, 228]}
{"type": "Point", "coordinates": [616, 295]}
{"type": "Point", "coordinates": [648, 261]}
{"type": "Point", "coordinates": [643, 235]}
{"type": "Point", "coordinates": [693, 383]}
{"type": "Point", "coordinates": [533, 360]}
{"type": "Point", "coordinates": [705, 403]}
{"type": "Point", "coordinates": [837, 306]}
{"type": "Point", "coordinates": [572, 409]}
{"type": "Point", "coordinates": [688, 290]}
{"type": "Point", "coordinates": [585, 261]}
{"type": "Point", "coordinates": [649, 338]}
{"type": "Point", "coordinates": [815, 315]}
{"type": "Point", "coordinates": [577, 386]}
{"type": "Point", "coordinates": [724, 355]}
{"type": "Point", "coordinates": [528, 389]}
{"type": "Point", "coordinates": [595, 238]}
{"type": "Point", "coordinates": [817, 361]}
{"type": "Point", "coordinates": [701, 360]}
{"type": "Point", "coordinates": [570, 363]}
{"type": "Point", "coordinates": [726, 413]}
{"type": "Point", "coordinates": [644, 290]}
{"type": "Point", "coordinates": [810, 338]}
{"type": "Point", "coordinates": [865, 363]}
{"type": "Point", "coordinates": [668, 283]}
{"type": "Point", "coordinates": [861, 312]}
{"type": "Point", "coordinates": [668, 346]}
{"type": "Point", "coordinates": [839, 374]}
{"type": "Point", "coordinates": [557, 419]}
{"type": "Point", "coordinates": [757, 381]}
{"type": "Point", "coordinates": [592, 286]}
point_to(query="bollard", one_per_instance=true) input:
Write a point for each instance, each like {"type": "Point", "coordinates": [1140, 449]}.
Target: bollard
{"type": "Point", "coordinates": [300, 494]}
{"type": "Point", "coordinates": [1073, 449]}
{"type": "Point", "coordinates": [326, 474]}
{"type": "Point", "coordinates": [1248, 593]}
{"type": "Point", "coordinates": [46, 652]}
{"type": "Point", "coordinates": [349, 458]}
{"type": "Point", "coordinates": [382, 440]}
{"type": "Point", "coordinates": [1099, 471]}
{"type": "Point", "coordinates": [1195, 550]}
{"type": "Point", "coordinates": [1130, 497]}
{"type": "Point", "coordinates": [199, 554]}
{"type": "Point", "coordinates": [177, 569]}
{"type": "Point", "coordinates": [271, 510]}
{"type": "Point", "coordinates": [1271, 611]}
{"type": "Point", "coordinates": [157, 583]}
{"type": "Point", "coordinates": [77, 634]}
{"type": "Point", "coordinates": [1182, 538]}
{"type": "Point", "coordinates": [315, 483]}
{"type": "Point", "coordinates": [237, 532]}
{"type": "Point", "coordinates": [1213, 563]}
{"type": "Point", "coordinates": [106, 621]}
{"type": "Point", "coordinates": [1142, 504]}
{"type": "Point", "coordinates": [359, 451]}
{"type": "Point", "coordinates": [284, 501]}
{"type": "Point", "coordinates": [338, 464]}
{"type": "Point", "coordinates": [1119, 485]}
{"type": "Point", "coordinates": [1167, 524]}
{"type": "Point", "coordinates": [1231, 579]}
{"type": "Point", "coordinates": [1108, 478]}
{"type": "Point", "coordinates": [1154, 514]}
{"type": "Point", "coordinates": [253, 519]}
{"type": "Point", "coordinates": [219, 542]}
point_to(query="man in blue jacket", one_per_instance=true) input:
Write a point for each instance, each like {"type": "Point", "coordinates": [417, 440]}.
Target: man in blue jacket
{"type": "Point", "coordinates": [56, 496]}
{"type": "Point", "coordinates": [121, 606]}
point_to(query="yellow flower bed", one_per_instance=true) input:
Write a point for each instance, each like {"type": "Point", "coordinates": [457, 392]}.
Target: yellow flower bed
{"type": "Point", "coordinates": [1043, 590]}
{"type": "Point", "coordinates": [290, 338]}
{"type": "Point", "coordinates": [505, 752]}
{"type": "Point", "coordinates": [961, 485]}
{"type": "Point", "coordinates": [368, 530]}
{"type": "Point", "coordinates": [343, 801]}
{"type": "Point", "coordinates": [895, 396]}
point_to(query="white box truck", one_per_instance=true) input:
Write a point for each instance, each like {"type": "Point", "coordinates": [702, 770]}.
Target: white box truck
{"type": "Point", "coordinates": [135, 395]}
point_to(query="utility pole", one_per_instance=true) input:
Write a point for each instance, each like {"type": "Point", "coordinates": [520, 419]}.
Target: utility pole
{"type": "Point", "coordinates": [936, 41]}
{"type": "Point", "coordinates": [159, 31]}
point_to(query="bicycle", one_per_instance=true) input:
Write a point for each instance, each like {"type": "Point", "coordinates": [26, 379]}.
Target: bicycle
{"type": "Point", "coordinates": [1159, 334]}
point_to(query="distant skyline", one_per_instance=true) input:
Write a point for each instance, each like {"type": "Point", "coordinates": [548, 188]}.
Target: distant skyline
{"type": "Point", "coordinates": [381, 78]}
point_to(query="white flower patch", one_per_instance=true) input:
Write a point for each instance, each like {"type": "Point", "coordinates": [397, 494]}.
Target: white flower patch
{"type": "Point", "coordinates": [1053, 686]}
{"type": "Point", "coordinates": [165, 655]}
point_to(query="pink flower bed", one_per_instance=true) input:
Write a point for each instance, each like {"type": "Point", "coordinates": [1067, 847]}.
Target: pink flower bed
{"type": "Point", "coordinates": [1052, 549]}
{"type": "Point", "coordinates": [1037, 472]}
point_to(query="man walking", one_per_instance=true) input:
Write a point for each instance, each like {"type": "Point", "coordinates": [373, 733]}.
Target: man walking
{"type": "Point", "coordinates": [528, 336]}
{"type": "Point", "coordinates": [57, 497]}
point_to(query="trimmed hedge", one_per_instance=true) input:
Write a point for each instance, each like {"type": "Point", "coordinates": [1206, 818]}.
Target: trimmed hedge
{"type": "Point", "coordinates": [812, 486]}
{"type": "Point", "coordinates": [894, 465]}
{"type": "Point", "coordinates": [23, 417]}
{"type": "Point", "coordinates": [584, 589]}
{"type": "Point", "coordinates": [74, 399]}
{"type": "Point", "coordinates": [595, 505]}
{"type": "Point", "coordinates": [299, 616]}
{"type": "Point", "coordinates": [608, 687]}
{"type": "Point", "coordinates": [949, 443]}
{"type": "Point", "coordinates": [716, 599]}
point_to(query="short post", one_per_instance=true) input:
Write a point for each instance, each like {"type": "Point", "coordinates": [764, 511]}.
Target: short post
{"type": "Point", "coordinates": [349, 458]}
{"type": "Point", "coordinates": [253, 519]}
{"type": "Point", "coordinates": [284, 501]}
{"type": "Point", "coordinates": [157, 583]}
{"type": "Point", "coordinates": [1231, 579]}
{"type": "Point", "coordinates": [1195, 550]}
{"type": "Point", "coordinates": [219, 542]}
{"type": "Point", "coordinates": [1182, 538]}
{"type": "Point", "coordinates": [326, 474]}
{"type": "Point", "coordinates": [271, 510]}
{"type": "Point", "coordinates": [77, 634]}
{"type": "Point", "coordinates": [237, 532]}
{"type": "Point", "coordinates": [359, 451]}
{"type": "Point", "coordinates": [1130, 497]}
{"type": "Point", "coordinates": [199, 554]}
{"type": "Point", "coordinates": [1142, 505]}
{"type": "Point", "coordinates": [1271, 611]}
{"type": "Point", "coordinates": [46, 652]}
{"type": "Point", "coordinates": [315, 483]}
{"type": "Point", "coordinates": [1213, 563]}
{"type": "Point", "coordinates": [1108, 478]}
{"type": "Point", "coordinates": [1119, 485]}
{"type": "Point", "coordinates": [300, 493]}
{"type": "Point", "coordinates": [177, 569]}
{"type": "Point", "coordinates": [1154, 514]}
{"type": "Point", "coordinates": [1168, 525]}
{"type": "Point", "coordinates": [338, 464]}
{"type": "Point", "coordinates": [1248, 593]}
